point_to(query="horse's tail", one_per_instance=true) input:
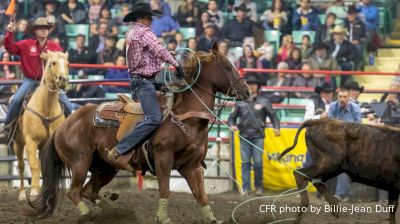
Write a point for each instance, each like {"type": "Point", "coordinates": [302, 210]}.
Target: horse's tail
{"type": "Point", "coordinates": [308, 123]}
{"type": "Point", "coordinates": [52, 172]}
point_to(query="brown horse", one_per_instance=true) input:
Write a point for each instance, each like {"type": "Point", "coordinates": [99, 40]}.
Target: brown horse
{"type": "Point", "coordinates": [42, 116]}
{"type": "Point", "coordinates": [82, 147]}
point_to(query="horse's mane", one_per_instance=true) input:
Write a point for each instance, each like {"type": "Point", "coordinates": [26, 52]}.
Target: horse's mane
{"type": "Point", "coordinates": [205, 57]}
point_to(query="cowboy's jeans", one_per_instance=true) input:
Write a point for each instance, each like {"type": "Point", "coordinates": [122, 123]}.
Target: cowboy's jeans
{"type": "Point", "coordinates": [16, 103]}
{"type": "Point", "coordinates": [248, 152]}
{"type": "Point", "coordinates": [144, 90]}
{"type": "Point", "coordinates": [343, 185]}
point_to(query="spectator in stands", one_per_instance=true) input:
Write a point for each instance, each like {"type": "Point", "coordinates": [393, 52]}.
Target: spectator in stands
{"type": "Point", "coordinates": [125, 9]}
{"type": "Point", "coordinates": [163, 26]}
{"type": "Point", "coordinates": [274, 18]}
{"type": "Point", "coordinates": [97, 42]}
{"type": "Point", "coordinates": [357, 31]}
{"type": "Point", "coordinates": [305, 17]}
{"type": "Point", "coordinates": [86, 90]}
{"type": "Point", "coordinates": [114, 73]}
{"type": "Point", "coordinates": [240, 27]}
{"type": "Point", "coordinates": [305, 80]}
{"type": "Point", "coordinates": [110, 52]}
{"type": "Point", "coordinates": [94, 10]}
{"type": "Point", "coordinates": [294, 60]}
{"type": "Point", "coordinates": [7, 71]}
{"type": "Point", "coordinates": [248, 60]}
{"type": "Point", "coordinates": [282, 79]}
{"type": "Point", "coordinates": [354, 91]}
{"type": "Point", "coordinates": [200, 25]}
{"type": "Point", "coordinates": [73, 12]}
{"type": "Point", "coordinates": [252, 123]}
{"type": "Point", "coordinates": [345, 110]}
{"type": "Point", "coordinates": [188, 14]}
{"type": "Point", "coordinates": [171, 45]}
{"type": "Point", "coordinates": [265, 55]}
{"type": "Point", "coordinates": [81, 54]}
{"type": "Point", "coordinates": [369, 14]}
{"type": "Point", "coordinates": [206, 42]}
{"type": "Point", "coordinates": [216, 16]}
{"type": "Point", "coordinates": [344, 52]}
{"type": "Point", "coordinates": [180, 43]}
{"type": "Point", "coordinates": [306, 48]}
{"type": "Point", "coordinates": [105, 17]}
{"type": "Point", "coordinates": [319, 106]}
{"type": "Point", "coordinates": [223, 48]}
{"type": "Point", "coordinates": [321, 60]}
{"type": "Point", "coordinates": [192, 44]}
{"type": "Point", "coordinates": [164, 5]}
{"type": "Point", "coordinates": [325, 33]}
{"type": "Point", "coordinates": [286, 48]}
{"type": "Point", "coordinates": [252, 6]}
{"type": "Point", "coordinates": [22, 28]}
{"type": "Point", "coordinates": [340, 11]}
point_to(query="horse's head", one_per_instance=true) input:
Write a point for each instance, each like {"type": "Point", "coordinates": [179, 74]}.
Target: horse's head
{"type": "Point", "coordinates": [57, 70]}
{"type": "Point", "coordinates": [224, 76]}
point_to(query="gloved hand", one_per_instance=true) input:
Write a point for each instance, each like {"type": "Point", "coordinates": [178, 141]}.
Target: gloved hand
{"type": "Point", "coordinates": [180, 74]}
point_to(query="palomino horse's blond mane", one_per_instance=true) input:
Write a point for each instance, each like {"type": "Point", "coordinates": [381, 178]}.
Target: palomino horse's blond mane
{"type": "Point", "coordinates": [42, 115]}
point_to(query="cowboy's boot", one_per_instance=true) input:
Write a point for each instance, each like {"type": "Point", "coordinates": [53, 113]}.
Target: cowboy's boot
{"type": "Point", "coordinates": [120, 161]}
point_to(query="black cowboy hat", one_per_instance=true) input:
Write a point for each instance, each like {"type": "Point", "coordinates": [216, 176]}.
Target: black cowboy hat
{"type": "Point", "coordinates": [242, 7]}
{"type": "Point", "coordinates": [140, 9]}
{"type": "Point", "coordinates": [51, 2]}
{"type": "Point", "coordinates": [352, 10]}
{"type": "Point", "coordinates": [321, 45]}
{"type": "Point", "coordinates": [354, 85]}
{"type": "Point", "coordinates": [325, 87]}
{"type": "Point", "coordinates": [251, 79]}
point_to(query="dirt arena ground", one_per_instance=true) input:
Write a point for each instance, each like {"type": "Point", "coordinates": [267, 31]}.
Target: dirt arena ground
{"type": "Point", "coordinates": [141, 207]}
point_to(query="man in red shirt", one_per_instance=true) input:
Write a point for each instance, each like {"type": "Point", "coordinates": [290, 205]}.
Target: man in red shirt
{"type": "Point", "coordinates": [145, 56]}
{"type": "Point", "coordinates": [30, 52]}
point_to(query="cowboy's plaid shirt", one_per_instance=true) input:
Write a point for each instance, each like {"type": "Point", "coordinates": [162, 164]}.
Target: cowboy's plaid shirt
{"type": "Point", "coordinates": [144, 53]}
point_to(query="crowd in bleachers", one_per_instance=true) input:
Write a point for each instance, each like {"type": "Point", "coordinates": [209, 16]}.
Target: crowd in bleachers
{"type": "Point", "coordinates": [283, 35]}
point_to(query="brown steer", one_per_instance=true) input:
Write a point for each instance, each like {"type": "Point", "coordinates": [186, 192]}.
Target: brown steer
{"type": "Point", "coordinates": [368, 154]}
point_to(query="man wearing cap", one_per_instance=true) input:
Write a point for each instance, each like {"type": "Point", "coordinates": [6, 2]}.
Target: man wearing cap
{"type": "Point", "coordinates": [251, 127]}
{"type": "Point", "coordinates": [206, 41]}
{"type": "Point", "coordinates": [357, 31]}
{"type": "Point", "coordinates": [321, 60]}
{"type": "Point", "coordinates": [239, 28]}
{"type": "Point", "coordinates": [30, 51]}
{"type": "Point", "coordinates": [145, 56]}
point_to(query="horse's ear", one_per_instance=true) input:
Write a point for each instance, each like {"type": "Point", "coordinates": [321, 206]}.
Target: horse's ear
{"type": "Point", "coordinates": [66, 55]}
{"type": "Point", "coordinates": [215, 47]}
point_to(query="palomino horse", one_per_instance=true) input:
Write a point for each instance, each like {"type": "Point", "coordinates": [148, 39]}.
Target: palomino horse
{"type": "Point", "coordinates": [81, 146]}
{"type": "Point", "coordinates": [42, 115]}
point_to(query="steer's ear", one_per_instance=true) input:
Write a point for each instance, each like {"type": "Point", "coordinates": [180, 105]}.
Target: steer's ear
{"type": "Point", "coordinates": [214, 48]}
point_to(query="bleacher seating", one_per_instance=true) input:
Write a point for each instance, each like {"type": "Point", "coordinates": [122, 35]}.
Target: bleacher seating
{"type": "Point", "coordinates": [273, 37]}
{"type": "Point", "coordinates": [188, 32]}
{"type": "Point", "coordinates": [298, 36]}
{"type": "Point", "coordinates": [72, 30]}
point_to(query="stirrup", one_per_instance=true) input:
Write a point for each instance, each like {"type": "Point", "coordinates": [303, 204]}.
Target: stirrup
{"type": "Point", "coordinates": [145, 150]}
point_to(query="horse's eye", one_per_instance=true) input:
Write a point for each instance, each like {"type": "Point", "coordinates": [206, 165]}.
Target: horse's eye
{"type": "Point", "coordinates": [228, 68]}
{"type": "Point", "coordinates": [53, 63]}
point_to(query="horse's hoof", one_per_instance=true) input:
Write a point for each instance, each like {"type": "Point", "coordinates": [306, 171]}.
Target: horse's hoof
{"type": "Point", "coordinates": [164, 220]}
{"type": "Point", "coordinates": [85, 218]}
{"type": "Point", "coordinates": [33, 195]}
{"type": "Point", "coordinates": [22, 196]}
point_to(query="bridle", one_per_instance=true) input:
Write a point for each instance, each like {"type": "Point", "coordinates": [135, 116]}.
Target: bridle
{"type": "Point", "coordinates": [58, 80]}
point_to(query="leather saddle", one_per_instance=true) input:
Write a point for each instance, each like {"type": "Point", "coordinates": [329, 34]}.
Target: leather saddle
{"type": "Point", "coordinates": [124, 114]}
